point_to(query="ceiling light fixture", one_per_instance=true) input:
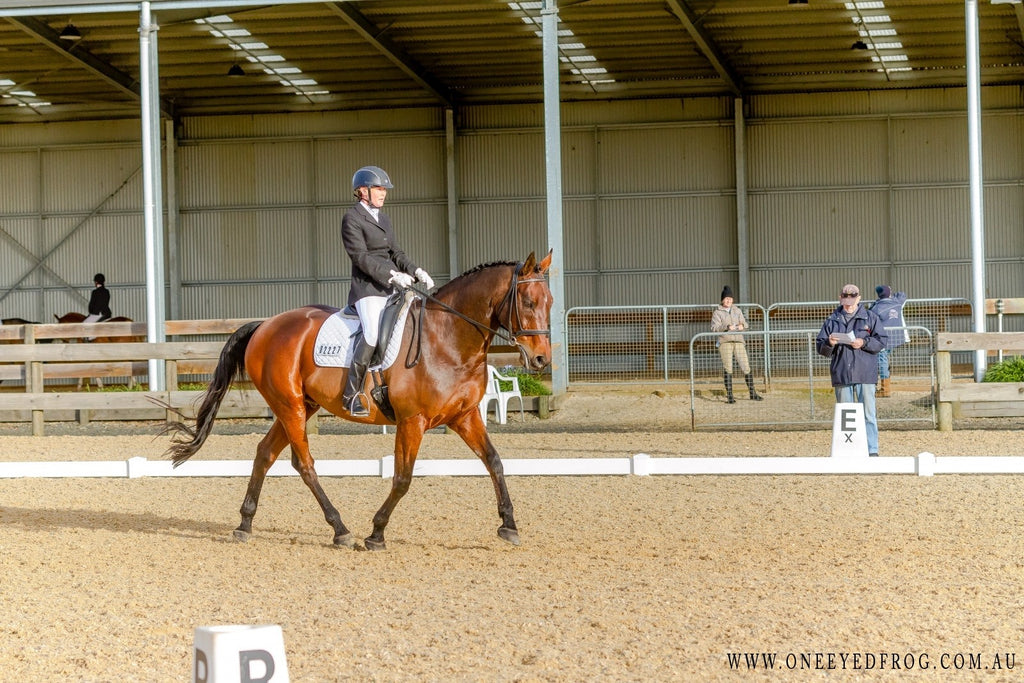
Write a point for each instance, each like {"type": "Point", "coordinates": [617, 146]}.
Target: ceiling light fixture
{"type": "Point", "coordinates": [70, 33]}
{"type": "Point", "coordinates": [235, 70]}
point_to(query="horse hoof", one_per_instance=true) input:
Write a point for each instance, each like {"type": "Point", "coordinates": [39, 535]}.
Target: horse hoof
{"type": "Point", "coordinates": [509, 535]}
{"type": "Point", "coordinates": [374, 545]}
{"type": "Point", "coordinates": [345, 541]}
{"type": "Point", "coordinates": [241, 536]}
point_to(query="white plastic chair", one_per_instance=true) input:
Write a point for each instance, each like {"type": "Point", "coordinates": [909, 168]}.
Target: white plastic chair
{"type": "Point", "coordinates": [501, 396]}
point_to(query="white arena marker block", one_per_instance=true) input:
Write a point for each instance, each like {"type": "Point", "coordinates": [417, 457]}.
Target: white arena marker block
{"type": "Point", "coordinates": [849, 435]}
{"type": "Point", "coordinates": [925, 464]}
{"type": "Point", "coordinates": [239, 654]}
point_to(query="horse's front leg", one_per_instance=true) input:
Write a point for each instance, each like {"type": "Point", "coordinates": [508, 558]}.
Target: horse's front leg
{"type": "Point", "coordinates": [470, 426]}
{"type": "Point", "coordinates": [408, 437]}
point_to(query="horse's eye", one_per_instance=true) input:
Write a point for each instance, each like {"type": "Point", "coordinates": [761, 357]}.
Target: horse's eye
{"type": "Point", "coordinates": [528, 302]}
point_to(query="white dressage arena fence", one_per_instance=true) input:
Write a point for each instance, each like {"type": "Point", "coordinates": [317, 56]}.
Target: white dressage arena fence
{"type": "Point", "coordinates": [639, 464]}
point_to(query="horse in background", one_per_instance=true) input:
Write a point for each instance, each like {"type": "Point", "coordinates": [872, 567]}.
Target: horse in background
{"type": "Point", "coordinates": [18, 321]}
{"type": "Point", "coordinates": [76, 317]}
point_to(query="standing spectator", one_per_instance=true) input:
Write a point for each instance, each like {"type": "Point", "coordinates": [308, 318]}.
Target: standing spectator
{"type": "Point", "coordinates": [852, 337]}
{"type": "Point", "coordinates": [888, 307]}
{"type": "Point", "coordinates": [99, 300]}
{"type": "Point", "coordinates": [729, 318]}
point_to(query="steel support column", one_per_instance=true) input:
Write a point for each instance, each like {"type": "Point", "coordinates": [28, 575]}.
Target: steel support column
{"type": "Point", "coordinates": [553, 169]}
{"type": "Point", "coordinates": [152, 197]}
{"type": "Point", "coordinates": [977, 181]}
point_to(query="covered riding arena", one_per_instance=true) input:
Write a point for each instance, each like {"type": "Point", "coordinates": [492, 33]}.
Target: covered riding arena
{"type": "Point", "coordinates": [664, 148]}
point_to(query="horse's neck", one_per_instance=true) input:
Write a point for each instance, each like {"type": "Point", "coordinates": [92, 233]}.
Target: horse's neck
{"type": "Point", "coordinates": [480, 309]}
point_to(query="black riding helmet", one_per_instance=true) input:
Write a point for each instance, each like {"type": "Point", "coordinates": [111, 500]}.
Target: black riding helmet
{"type": "Point", "coordinates": [370, 176]}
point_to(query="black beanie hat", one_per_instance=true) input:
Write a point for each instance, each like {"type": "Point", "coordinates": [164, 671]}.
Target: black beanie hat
{"type": "Point", "coordinates": [883, 291]}
{"type": "Point", "coordinates": [726, 292]}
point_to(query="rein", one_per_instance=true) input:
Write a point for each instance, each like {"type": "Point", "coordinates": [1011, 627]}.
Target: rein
{"type": "Point", "coordinates": [506, 333]}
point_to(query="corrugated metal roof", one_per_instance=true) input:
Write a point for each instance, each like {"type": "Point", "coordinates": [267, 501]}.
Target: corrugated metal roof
{"type": "Point", "coordinates": [366, 54]}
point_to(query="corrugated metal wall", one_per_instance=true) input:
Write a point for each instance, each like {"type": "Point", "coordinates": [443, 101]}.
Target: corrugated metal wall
{"type": "Point", "coordinates": [861, 187]}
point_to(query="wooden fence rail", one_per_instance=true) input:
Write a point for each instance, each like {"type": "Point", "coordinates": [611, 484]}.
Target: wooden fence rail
{"type": "Point", "coordinates": [993, 399]}
{"type": "Point", "coordinates": [28, 354]}
{"type": "Point", "coordinates": [42, 332]}
{"type": "Point", "coordinates": [34, 360]}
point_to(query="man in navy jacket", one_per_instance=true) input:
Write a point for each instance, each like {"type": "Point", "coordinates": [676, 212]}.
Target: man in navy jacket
{"type": "Point", "coordinates": [852, 337]}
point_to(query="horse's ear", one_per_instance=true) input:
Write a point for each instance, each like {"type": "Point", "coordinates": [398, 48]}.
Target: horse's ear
{"type": "Point", "coordinates": [546, 262]}
{"type": "Point", "coordinates": [57, 317]}
{"type": "Point", "coordinates": [529, 264]}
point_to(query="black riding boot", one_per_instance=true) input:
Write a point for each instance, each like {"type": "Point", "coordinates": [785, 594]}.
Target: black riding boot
{"type": "Point", "coordinates": [754, 396]}
{"type": "Point", "coordinates": [728, 388]}
{"type": "Point", "coordinates": [352, 399]}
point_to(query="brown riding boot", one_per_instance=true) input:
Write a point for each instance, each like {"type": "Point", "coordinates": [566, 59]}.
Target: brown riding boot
{"type": "Point", "coordinates": [885, 391]}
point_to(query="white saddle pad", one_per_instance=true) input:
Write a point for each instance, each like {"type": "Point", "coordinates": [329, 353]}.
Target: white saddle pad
{"type": "Point", "coordinates": [336, 340]}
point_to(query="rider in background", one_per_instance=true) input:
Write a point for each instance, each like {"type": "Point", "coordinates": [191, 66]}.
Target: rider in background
{"type": "Point", "coordinates": [378, 265]}
{"type": "Point", "coordinates": [99, 300]}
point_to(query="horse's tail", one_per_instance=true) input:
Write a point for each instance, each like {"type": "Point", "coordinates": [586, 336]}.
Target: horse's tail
{"type": "Point", "coordinates": [189, 440]}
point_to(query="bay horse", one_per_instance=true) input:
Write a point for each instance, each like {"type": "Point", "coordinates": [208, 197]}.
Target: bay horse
{"type": "Point", "coordinates": [439, 379]}
{"type": "Point", "coordinates": [76, 317]}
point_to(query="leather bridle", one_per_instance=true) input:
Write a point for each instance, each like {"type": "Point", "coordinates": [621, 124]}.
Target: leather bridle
{"type": "Point", "coordinates": [507, 332]}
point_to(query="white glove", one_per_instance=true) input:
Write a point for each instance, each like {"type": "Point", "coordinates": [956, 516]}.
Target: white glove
{"type": "Point", "coordinates": [400, 280]}
{"type": "Point", "coordinates": [424, 277]}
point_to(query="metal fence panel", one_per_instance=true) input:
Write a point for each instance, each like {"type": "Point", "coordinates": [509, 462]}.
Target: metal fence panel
{"type": "Point", "coordinates": [672, 345]}
{"type": "Point", "coordinates": [797, 391]}
{"type": "Point", "coordinates": [638, 344]}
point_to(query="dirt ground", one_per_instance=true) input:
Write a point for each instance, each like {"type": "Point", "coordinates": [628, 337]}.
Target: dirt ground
{"type": "Point", "coordinates": [617, 578]}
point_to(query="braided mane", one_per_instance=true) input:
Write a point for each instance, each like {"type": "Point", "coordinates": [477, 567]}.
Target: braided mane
{"type": "Point", "coordinates": [484, 266]}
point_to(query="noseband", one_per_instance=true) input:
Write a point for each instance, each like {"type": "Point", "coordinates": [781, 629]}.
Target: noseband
{"type": "Point", "coordinates": [514, 327]}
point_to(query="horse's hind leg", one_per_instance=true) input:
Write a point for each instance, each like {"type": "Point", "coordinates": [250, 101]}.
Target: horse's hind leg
{"type": "Point", "coordinates": [266, 454]}
{"type": "Point", "coordinates": [472, 430]}
{"type": "Point", "coordinates": [280, 435]}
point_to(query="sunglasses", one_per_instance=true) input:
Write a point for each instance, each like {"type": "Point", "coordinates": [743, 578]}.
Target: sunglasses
{"type": "Point", "coordinates": [850, 295]}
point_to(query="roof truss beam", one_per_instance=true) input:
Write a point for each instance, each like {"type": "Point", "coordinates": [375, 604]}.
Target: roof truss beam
{"type": "Point", "coordinates": [690, 21]}
{"type": "Point", "coordinates": [371, 34]}
{"type": "Point", "coordinates": [112, 75]}
{"type": "Point", "coordinates": [1018, 9]}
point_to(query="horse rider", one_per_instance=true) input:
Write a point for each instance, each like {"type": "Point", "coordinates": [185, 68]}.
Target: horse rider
{"type": "Point", "coordinates": [378, 265]}
{"type": "Point", "coordinates": [99, 300]}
